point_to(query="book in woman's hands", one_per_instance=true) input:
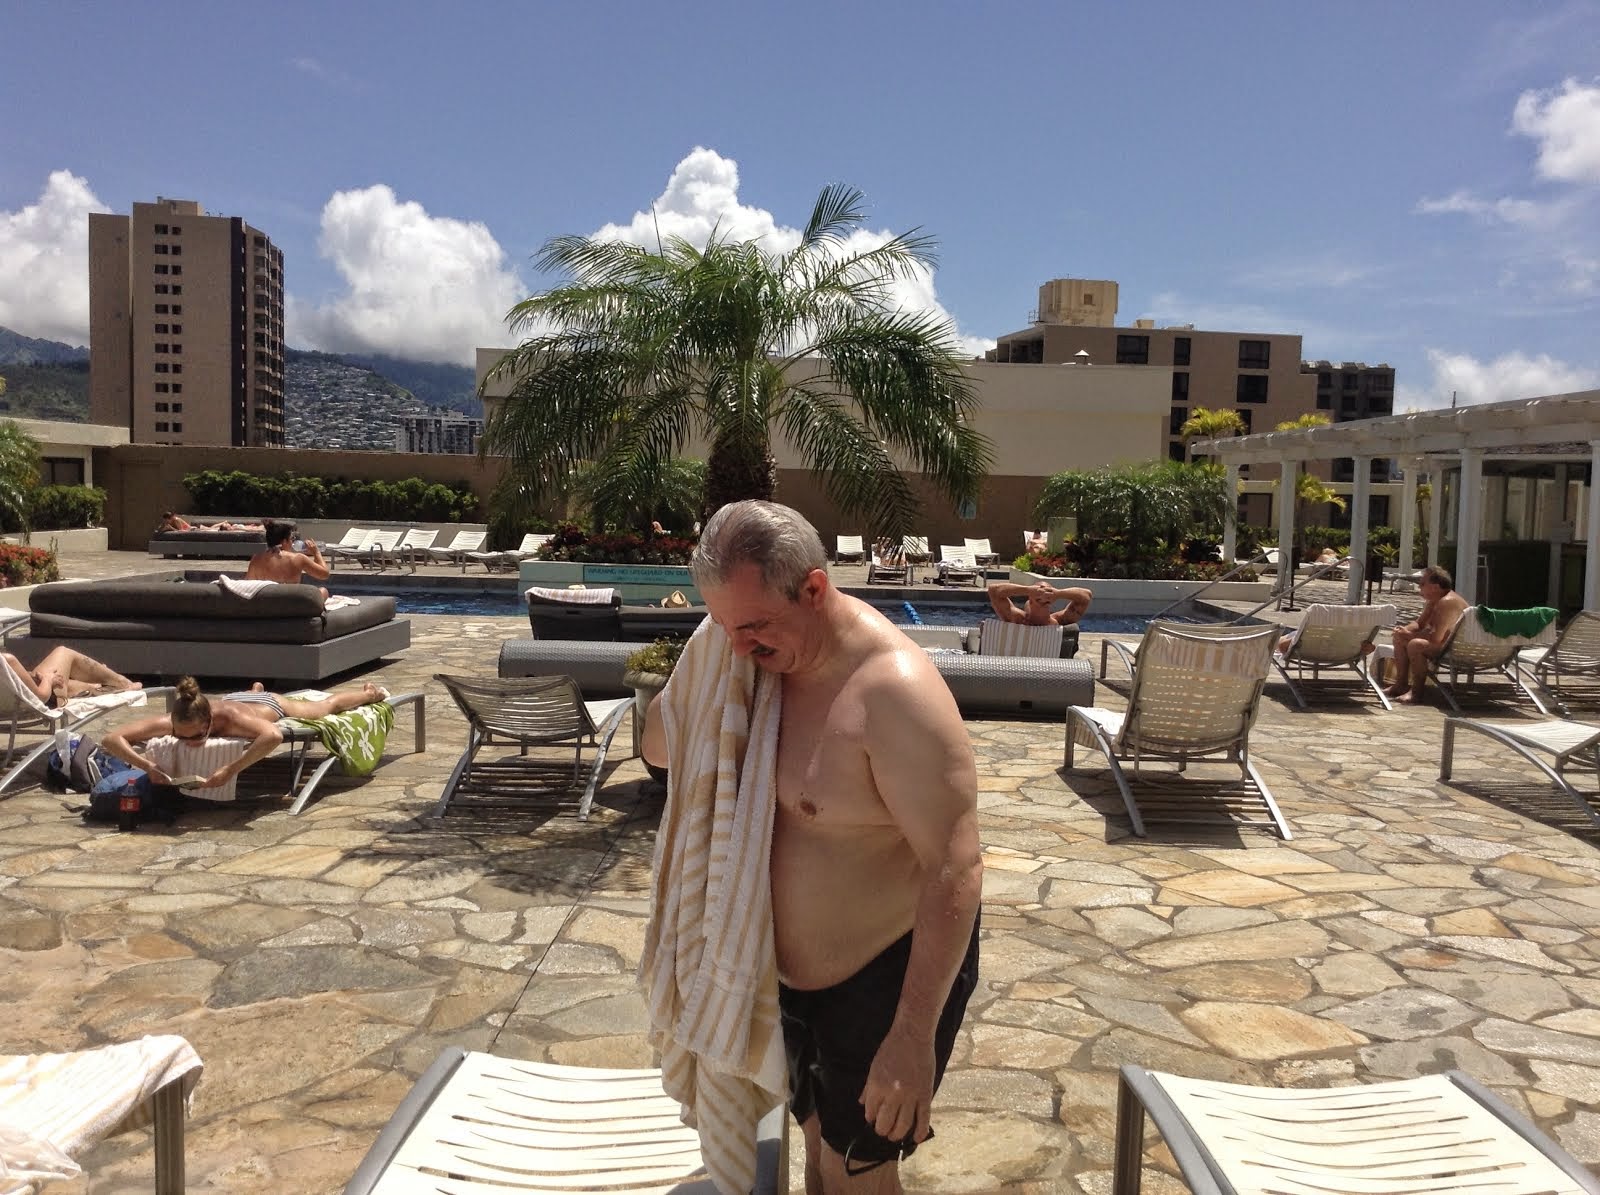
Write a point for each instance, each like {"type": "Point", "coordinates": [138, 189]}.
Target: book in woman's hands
{"type": "Point", "coordinates": [186, 781]}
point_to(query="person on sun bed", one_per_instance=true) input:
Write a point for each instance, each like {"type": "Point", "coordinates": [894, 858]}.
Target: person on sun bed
{"type": "Point", "coordinates": [173, 522]}
{"type": "Point", "coordinates": [65, 674]}
{"type": "Point", "coordinates": [280, 561]}
{"type": "Point", "coordinates": [252, 714]}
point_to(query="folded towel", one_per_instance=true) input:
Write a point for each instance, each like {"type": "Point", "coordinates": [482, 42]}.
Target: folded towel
{"type": "Point", "coordinates": [338, 601]}
{"type": "Point", "coordinates": [709, 967]}
{"type": "Point", "coordinates": [55, 1105]}
{"type": "Point", "coordinates": [244, 589]}
{"type": "Point", "coordinates": [1506, 623]}
{"type": "Point", "coordinates": [577, 597]}
{"type": "Point", "coordinates": [356, 736]}
{"type": "Point", "coordinates": [178, 758]}
{"type": "Point", "coordinates": [77, 707]}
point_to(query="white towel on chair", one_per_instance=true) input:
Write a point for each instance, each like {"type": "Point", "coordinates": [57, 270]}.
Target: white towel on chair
{"type": "Point", "coordinates": [177, 758]}
{"type": "Point", "coordinates": [67, 1102]}
{"type": "Point", "coordinates": [338, 601]}
{"type": "Point", "coordinates": [77, 707]}
{"type": "Point", "coordinates": [709, 969]}
{"type": "Point", "coordinates": [244, 589]}
{"type": "Point", "coordinates": [577, 597]}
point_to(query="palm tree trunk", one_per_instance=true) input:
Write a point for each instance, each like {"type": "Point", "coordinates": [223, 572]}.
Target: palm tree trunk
{"type": "Point", "coordinates": [738, 469]}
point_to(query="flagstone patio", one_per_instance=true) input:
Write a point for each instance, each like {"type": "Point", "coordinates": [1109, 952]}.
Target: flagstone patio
{"type": "Point", "coordinates": [319, 963]}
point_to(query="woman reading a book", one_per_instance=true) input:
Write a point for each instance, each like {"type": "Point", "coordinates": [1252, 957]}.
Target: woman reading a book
{"type": "Point", "coordinates": [251, 715]}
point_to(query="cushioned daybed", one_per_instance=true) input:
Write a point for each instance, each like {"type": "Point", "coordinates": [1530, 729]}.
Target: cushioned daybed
{"type": "Point", "coordinates": [213, 544]}
{"type": "Point", "coordinates": [174, 628]}
{"type": "Point", "coordinates": [1008, 685]}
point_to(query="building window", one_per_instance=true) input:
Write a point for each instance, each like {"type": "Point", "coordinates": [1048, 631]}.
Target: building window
{"type": "Point", "coordinates": [161, 229]}
{"type": "Point", "coordinates": [160, 309]}
{"type": "Point", "coordinates": [160, 406]}
{"type": "Point", "coordinates": [161, 388]}
{"type": "Point", "coordinates": [177, 229]}
{"type": "Point", "coordinates": [177, 269]}
{"type": "Point", "coordinates": [161, 250]}
{"type": "Point", "coordinates": [1252, 388]}
{"type": "Point", "coordinates": [1180, 350]}
{"type": "Point", "coordinates": [177, 348]}
{"type": "Point", "coordinates": [176, 249]}
{"type": "Point", "coordinates": [1255, 354]}
{"type": "Point", "coordinates": [161, 329]}
{"type": "Point", "coordinates": [179, 369]}
{"type": "Point", "coordinates": [161, 367]}
{"type": "Point", "coordinates": [177, 427]}
{"type": "Point", "coordinates": [1324, 402]}
{"type": "Point", "coordinates": [161, 288]}
{"type": "Point", "coordinates": [1324, 380]}
{"type": "Point", "coordinates": [1133, 350]}
{"type": "Point", "coordinates": [161, 267]}
{"type": "Point", "coordinates": [61, 470]}
{"type": "Point", "coordinates": [1088, 298]}
{"type": "Point", "coordinates": [1180, 416]}
{"type": "Point", "coordinates": [177, 289]}
{"type": "Point", "coordinates": [177, 309]}
{"type": "Point", "coordinates": [177, 407]}
{"type": "Point", "coordinates": [1175, 450]}
{"type": "Point", "coordinates": [1180, 387]}
{"type": "Point", "coordinates": [1351, 382]}
{"type": "Point", "coordinates": [1245, 418]}
{"type": "Point", "coordinates": [177, 388]}
{"type": "Point", "coordinates": [161, 347]}
{"type": "Point", "coordinates": [177, 329]}
{"type": "Point", "coordinates": [161, 425]}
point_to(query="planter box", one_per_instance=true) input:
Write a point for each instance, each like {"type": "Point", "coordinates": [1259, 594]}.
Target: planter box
{"type": "Point", "coordinates": [76, 539]}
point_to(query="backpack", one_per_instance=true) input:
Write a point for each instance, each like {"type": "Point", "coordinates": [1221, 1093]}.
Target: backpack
{"type": "Point", "coordinates": [85, 763]}
{"type": "Point", "coordinates": [157, 803]}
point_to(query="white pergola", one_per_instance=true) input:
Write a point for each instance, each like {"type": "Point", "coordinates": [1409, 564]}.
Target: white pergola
{"type": "Point", "coordinates": [1426, 442]}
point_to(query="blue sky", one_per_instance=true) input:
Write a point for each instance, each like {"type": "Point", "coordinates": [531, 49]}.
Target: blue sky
{"type": "Point", "coordinates": [1417, 183]}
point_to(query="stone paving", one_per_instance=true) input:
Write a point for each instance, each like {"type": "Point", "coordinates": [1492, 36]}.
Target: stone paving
{"type": "Point", "coordinates": [319, 963]}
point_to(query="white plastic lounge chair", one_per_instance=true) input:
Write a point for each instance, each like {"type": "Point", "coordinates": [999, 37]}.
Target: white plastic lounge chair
{"type": "Point", "coordinates": [21, 710]}
{"type": "Point", "coordinates": [350, 546]}
{"type": "Point", "coordinates": [414, 547]}
{"type": "Point", "coordinates": [58, 1105]}
{"type": "Point", "coordinates": [1434, 1133]}
{"type": "Point", "coordinates": [957, 564]}
{"type": "Point", "coordinates": [1194, 695]}
{"type": "Point", "coordinates": [1575, 656]}
{"type": "Point", "coordinates": [378, 552]}
{"type": "Point", "coordinates": [982, 552]}
{"type": "Point", "coordinates": [1471, 649]}
{"type": "Point", "coordinates": [1565, 742]}
{"type": "Point", "coordinates": [497, 1125]}
{"type": "Point", "coordinates": [532, 541]}
{"type": "Point", "coordinates": [999, 638]}
{"type": "Point", "coordinates": [888, 565]}
{"type": "Point", "coordinates": [1333, 637]}
{"type": "Point", "coordinates": [848, 547]}
{"type": "Point", "coordinates": [533, 711]}
{"type": "Point", "coordinates": [915, 549]}
{"type": "Point", "coordinates": [455, 552]}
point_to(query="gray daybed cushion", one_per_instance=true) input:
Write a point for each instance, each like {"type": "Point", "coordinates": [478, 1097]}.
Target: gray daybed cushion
{"type": "Point", "coordinates": [197, 536]}
{"type": "Point", "coordinates": [196, 612]}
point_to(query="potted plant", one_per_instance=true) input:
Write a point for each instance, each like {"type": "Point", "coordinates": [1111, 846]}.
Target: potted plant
{"type": "Point", "coordinates": [647, 671]}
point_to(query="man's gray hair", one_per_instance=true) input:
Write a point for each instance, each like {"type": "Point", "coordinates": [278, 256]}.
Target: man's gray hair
{"type": "Point", "coordinates": [775, 537]}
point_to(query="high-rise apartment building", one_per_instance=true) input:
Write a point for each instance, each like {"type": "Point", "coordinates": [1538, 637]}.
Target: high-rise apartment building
{"type": "Point", "coordinates": [457, 434]}
{"type": "Point", "coordinates": [1255, 374]}
{"type": "Point", "coordinates": [1355, 390]}
{"type": "Point", "coordinates": [185, 327]}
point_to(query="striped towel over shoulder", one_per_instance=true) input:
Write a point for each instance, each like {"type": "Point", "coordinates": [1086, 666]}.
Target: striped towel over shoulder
{"type": "Point", "coordinates": [709, 967]}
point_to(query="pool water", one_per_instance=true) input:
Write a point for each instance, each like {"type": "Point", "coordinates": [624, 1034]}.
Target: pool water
{"type": "Point", "coordinates": [480, 604]}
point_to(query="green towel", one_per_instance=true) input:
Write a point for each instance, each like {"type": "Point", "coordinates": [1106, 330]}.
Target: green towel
{"type": "Point", "coordinates": [1507, 623]}
{"type": "Point", "coordinates": [355, 736]}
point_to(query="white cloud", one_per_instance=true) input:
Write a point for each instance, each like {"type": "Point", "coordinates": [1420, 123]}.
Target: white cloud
{"type": "Point", "coordinates": [1512, 375]}
{"type": "Point", "coordinates": [417, 286]}
{"type": "Point", "coordinates": [702, 196]}
{"type": "Point", "coordinates": [44, 258]}
{"type": "Point", "coordinates": [1566, 123]}
{"type": "Point", "coordinates": [1520, 212]}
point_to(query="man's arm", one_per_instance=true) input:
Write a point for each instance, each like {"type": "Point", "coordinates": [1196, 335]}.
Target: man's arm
{"type": "Point", "coordinates": [1077, 605]}
{"type": "Point", "coordinates": [312, 564]}
{"type": "Point", "coordinates": [653, 743]}
{"type": "Point", "coordinates": [923, 767]}
{"type": "Point", "coordinates": [120, 742]}
{"type": "Point", "coordinates": [266, 740]}
{"type": "Point", "coordinates": [1000, 595]}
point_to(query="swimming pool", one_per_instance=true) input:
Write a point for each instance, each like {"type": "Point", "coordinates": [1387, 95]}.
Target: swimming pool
{"type": "Point", "coordinates": [508, 604]}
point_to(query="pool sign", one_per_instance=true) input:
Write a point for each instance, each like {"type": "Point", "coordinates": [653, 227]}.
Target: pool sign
{"type": "Point", "coordinates": [637, 574]}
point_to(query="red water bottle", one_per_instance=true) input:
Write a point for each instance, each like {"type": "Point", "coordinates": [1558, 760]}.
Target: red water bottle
{"type": "Point", "coordinates": [128, 806]}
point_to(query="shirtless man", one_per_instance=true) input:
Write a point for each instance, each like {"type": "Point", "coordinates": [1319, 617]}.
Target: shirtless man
{"type": "Point", "coordinates": [876, 867]}
{"type": "Point", "coordinates": [1415, 643]}
{"type": "Point", "coordinates": [1039, 598]}
{"type": "Point", "coordinates": [280, 562]}
{"type": "Point", "coordinates": [64, 674]}
{"type": "Point", "coordinates": [252, 715]}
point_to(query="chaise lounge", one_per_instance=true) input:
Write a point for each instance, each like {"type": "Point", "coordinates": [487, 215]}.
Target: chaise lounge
{"type": "Point", "coordinates": [170, 628]}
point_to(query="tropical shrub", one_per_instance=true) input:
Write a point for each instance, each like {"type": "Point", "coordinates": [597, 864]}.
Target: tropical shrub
{"type": "Point", "coordinates": [60, 507]}
{"type": "Point", "coordinates": [1120, 559]}
{"type": "Point", "coordinates": [1155, 507]}
{"type": "Point", "coordinates": [659, 657]}
{"type": "Point", "coordinates": [296, 496]}
{"type": "Point", "coordinates": [19, 473]}
{"type": "Point", "coordinates": [572, 543]}
{"type": "Point", "coordinates": [22, 565]}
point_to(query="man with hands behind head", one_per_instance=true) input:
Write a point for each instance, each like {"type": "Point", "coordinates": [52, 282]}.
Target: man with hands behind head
{"type": "Point", "coordinates": [1038, 602]}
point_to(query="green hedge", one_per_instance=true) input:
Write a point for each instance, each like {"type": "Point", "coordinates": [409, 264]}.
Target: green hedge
{"type": "Point", "coordinates": [294, 496]}
{"type": "Point", "coordinates": [64, 507]}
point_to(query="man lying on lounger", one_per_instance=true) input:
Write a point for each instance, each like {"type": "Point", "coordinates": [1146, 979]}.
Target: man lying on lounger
{"type": "Point", "coordinates": [281, 561]}
{"type": "Point", "coordinates": [252, 715]}
{"type": "Point", "coordinates": [1038, 599]}
{"type": "Point", "coordinates": [65, 674]}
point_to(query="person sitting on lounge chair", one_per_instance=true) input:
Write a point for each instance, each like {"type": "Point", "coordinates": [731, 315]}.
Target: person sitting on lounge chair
{"type": "Point", "coordinates": [1417, 642]}
{"type": "Point", "coordinates": [65, 674]}
{"type": "Point", "coordinates": [281, 561]}
{"type": "Point", "coordinates": [1039, 544]}
{"type": "Point", "coordinates": [173, 522]}
{"type": "Point", "coordinates": [1038, 600]}
{"type": "Point", "coordinates": [252, 714]}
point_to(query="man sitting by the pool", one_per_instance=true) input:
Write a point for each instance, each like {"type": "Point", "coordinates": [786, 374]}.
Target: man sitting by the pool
{"type": "Point", "coordinates": [1038, 600]}
{"type": "Point", "coordinates": [281, 562]}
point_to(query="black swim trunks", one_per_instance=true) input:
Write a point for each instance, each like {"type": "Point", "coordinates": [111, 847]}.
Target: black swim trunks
{"type": "Point", "coordinates": [831, 1036]}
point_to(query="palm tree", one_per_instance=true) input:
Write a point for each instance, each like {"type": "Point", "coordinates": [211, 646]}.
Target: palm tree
{"type": "Point", "coordinates": [736, 343]}
{"type": "Point", "coordinates": [674, 498]}
{"type": "Point", "coordinates": [1152, 506]}
{"type": "Point", "coordinates": [1309, 489]}
{"type": "Point", "coordinates": [19, 473]}
{"type": "Point", "coordinates": [1206, 424]}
